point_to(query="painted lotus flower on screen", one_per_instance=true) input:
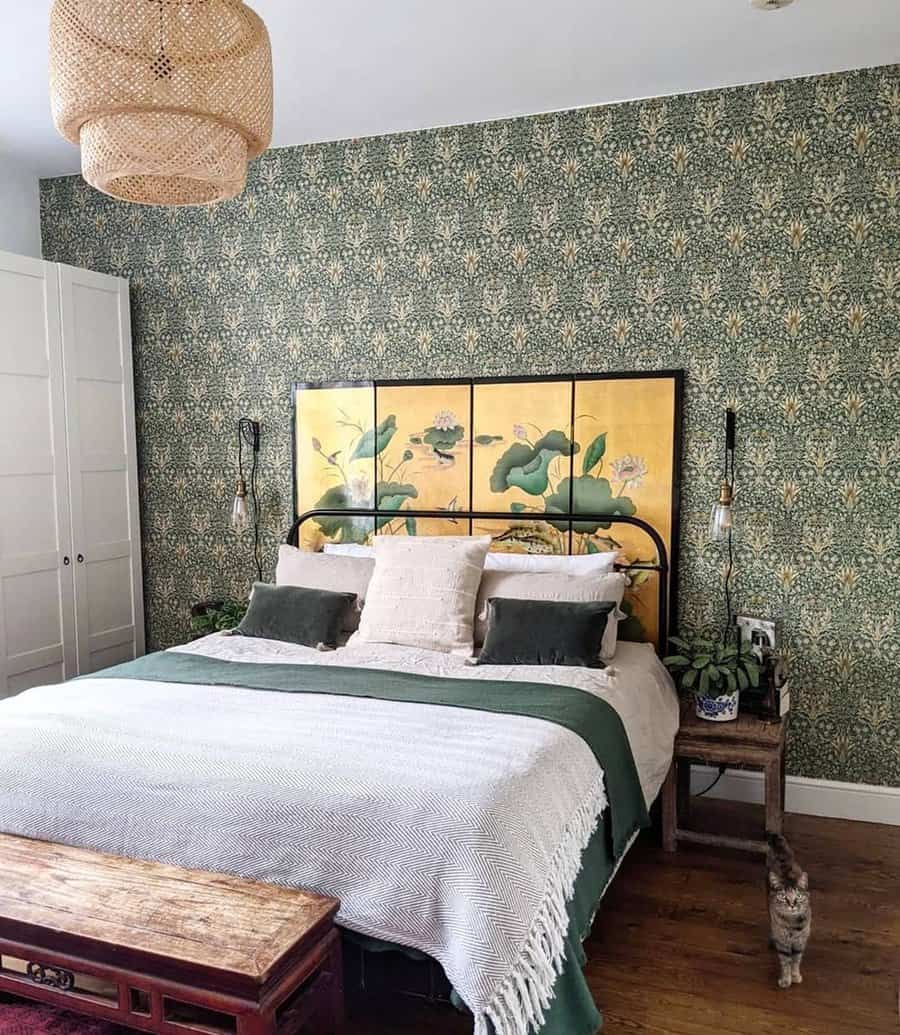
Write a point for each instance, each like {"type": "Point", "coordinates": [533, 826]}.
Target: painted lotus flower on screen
{"type": "Point", "coordinates": [444, 420]}
{"type": "Point", "coordinates": [359, 491]}
{"type": "Point", "coordinates": [443, 435]}
{"type": "Point", "coordinates": [630, 470]}
{"type": "Point", "coordinates": [391, 481]}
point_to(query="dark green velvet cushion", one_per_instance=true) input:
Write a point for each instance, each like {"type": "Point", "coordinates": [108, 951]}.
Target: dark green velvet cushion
{"type": "Point", "coordinates": [545, 632]}
{"type": "Point", "coordinates": [296, 614]}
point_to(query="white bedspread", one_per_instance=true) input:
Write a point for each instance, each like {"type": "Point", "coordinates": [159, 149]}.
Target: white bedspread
{"type": "Point", "coordinates": [635, 684]}
{"type": "Point", "coordinates": [453, 831]}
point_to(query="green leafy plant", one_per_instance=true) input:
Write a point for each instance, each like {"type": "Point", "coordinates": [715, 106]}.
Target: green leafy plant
{"type": "Point", "coordinates": [710, 668]}
{"type": "Point", "coordinates": [216, 616]}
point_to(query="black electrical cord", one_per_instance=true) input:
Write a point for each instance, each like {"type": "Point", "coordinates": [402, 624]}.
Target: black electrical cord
{"type": "Point", "coordinates": [255, 498]}
{"type": "Point", "coordinates": [729, 571]}
{"type": "Point", "coordinates": [241, 450]}
{"type": "Point", "coordinates": [721, 771]}
{"type": "Point", "coordinates": [248, 431]}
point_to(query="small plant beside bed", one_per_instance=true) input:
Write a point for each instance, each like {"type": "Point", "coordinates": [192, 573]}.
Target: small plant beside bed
{"type": "Point", "coordinates": [215, 616]}
{"type": "Point", "coordinates": [715, 672]}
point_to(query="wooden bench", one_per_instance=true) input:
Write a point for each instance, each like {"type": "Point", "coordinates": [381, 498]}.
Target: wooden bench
{"type": "Point", "coordinates": [166, 950]}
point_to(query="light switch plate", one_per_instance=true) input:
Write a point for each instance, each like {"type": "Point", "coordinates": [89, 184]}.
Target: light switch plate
{"type": "Point", "coordinates": [761, 632]}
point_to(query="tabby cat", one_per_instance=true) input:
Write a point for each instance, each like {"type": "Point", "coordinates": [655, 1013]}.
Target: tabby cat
{"type": "Point", "coordinates": [790, 914]}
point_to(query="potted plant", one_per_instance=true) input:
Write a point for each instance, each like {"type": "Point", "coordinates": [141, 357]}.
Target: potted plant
{"type": "Point", "coordinates": [215, 616]}
{"type": "Point", "coordinates": [715, 673]}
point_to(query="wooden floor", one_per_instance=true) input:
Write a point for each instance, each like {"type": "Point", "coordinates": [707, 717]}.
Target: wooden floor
{"type": "Point", "coordinates": [680, 944]}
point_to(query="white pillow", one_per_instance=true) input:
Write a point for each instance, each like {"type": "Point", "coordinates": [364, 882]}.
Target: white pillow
{"type": "Point", "coordinates": [423, 592]}
{"type": "Point", "coordinates": [584, 564]}
{"type": "Point", "coordinates": [349, 549]}
{"type": "Point", "coordinates": [553, 586]}
{"type": "Point", "coordinates": [318, 571]}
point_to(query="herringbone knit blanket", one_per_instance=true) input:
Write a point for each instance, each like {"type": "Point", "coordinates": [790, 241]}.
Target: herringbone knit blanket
{"type": "Point", "coordinates": [449, 815]}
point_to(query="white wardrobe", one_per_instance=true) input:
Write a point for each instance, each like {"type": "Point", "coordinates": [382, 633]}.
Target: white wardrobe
{"type": "Point", "coordinates": [71, 596]}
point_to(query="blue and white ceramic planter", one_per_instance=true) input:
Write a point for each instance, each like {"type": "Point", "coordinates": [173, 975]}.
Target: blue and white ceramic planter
{"type": "Point", "coordinates": [723, 708]}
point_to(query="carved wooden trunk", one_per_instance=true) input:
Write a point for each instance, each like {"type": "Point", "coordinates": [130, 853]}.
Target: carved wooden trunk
{"type": "Point", "coordinates": [166, 950]}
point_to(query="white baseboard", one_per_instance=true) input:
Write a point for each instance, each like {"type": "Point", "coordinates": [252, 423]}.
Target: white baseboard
{"type": "Point", "coordinates": [831, 798]}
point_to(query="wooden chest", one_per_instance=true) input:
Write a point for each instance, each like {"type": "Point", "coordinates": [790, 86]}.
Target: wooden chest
{"type": "Point", "coordinates": [166, 950]}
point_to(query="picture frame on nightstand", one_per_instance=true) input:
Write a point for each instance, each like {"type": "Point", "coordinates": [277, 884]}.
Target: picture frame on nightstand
{"type": "Point", "coordinates": [771, 700]}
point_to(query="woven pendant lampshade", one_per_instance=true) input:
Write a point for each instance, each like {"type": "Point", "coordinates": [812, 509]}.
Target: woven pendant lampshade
{"type": "Point", "coordinates": [169, 99]}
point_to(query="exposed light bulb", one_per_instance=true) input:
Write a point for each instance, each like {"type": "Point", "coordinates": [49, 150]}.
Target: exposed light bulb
{"type": "Point", "coordinates": [240, 510]}
{"type": "Point", "coordinates": [722, 517]}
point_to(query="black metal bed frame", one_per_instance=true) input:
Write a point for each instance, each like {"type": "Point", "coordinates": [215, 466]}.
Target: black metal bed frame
{"type": "Point", "coordinates": [571, 519]}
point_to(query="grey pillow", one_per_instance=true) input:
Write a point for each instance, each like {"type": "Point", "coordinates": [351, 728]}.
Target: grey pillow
{"type": "Point", "coordinates": [296, 614]}
{"type": "Point", "coordinates": [527, 585]}
{"type": "Point", "coordinates": [327, 571]}
{"type": "Point", "coordinates": [545, 632]}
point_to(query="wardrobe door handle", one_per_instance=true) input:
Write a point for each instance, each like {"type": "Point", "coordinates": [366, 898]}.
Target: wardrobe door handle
{"type": "Point", "coordinates": [66, 561]}
{"type": "Point", "coordinates": [80, 558]}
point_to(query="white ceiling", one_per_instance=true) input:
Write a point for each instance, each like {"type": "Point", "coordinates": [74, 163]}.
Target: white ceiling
{"type": "Point", "coordinates": [347, 68]}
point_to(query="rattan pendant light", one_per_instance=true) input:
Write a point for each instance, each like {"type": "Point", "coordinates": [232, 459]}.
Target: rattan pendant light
{"type": "Point", "coordinates": [169, 99]}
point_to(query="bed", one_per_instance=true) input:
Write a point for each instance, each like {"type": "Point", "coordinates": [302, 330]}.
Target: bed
{"type": "Point", "coordinates": [420, 817]}
{"type": "Point", "coordinates": [473, 813]}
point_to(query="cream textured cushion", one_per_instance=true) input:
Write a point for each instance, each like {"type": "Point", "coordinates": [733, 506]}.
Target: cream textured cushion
{"type": "Point", "coordinates": [423, 592]}
{"type": "Point", "coordinates": [326, 571]}
{"type": "Point", "coordinates": [551, 586]}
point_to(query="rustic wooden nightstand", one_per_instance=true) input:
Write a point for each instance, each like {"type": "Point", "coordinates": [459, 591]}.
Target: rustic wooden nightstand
{"type": "Point", "coordinates": [745, 743]}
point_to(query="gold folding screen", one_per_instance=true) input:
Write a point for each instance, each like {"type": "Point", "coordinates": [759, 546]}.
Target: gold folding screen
{"type": "Point", "coordinates": [598, 444]}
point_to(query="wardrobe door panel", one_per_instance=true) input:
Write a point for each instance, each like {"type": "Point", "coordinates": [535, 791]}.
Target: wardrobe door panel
{"type": "Point", "coordinates": [101, 427]}
{"type": "Point", "coordinates": [105, 507]}
{"type": "Point", "coordinates": [24, 346]}
{"type": "Point", "coordinates": [37, 630]}
{"type": "Point", "coordinates": [28, 522]}
{"type": "Point", "coordinates": [27, 410]}
{"type": "Point", "coordinates": [96, 334]}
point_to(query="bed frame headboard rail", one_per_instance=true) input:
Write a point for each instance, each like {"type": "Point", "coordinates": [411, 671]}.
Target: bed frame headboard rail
{"type": "Point", "coordinates": [662, 558]}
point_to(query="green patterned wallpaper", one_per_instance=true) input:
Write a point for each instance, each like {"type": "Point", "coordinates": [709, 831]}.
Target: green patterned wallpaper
{"type": "Point", "coordinates": [751, 236]}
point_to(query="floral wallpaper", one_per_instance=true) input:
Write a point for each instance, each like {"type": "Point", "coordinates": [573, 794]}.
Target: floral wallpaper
{"type": "Point", "coordinates": [750, 236]}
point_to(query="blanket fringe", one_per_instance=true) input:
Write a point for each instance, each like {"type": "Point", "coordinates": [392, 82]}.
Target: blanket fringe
{"type": "Point", "coordinates": [519, 1003]}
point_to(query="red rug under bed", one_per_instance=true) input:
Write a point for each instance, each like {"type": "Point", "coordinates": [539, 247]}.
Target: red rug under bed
{"type": "Point", "coordinates": [21, 1018]}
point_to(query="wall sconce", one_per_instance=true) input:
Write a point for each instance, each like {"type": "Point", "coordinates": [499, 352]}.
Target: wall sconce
{"type": "Point", "coordinates": [248, 434]}
{"type": "Point", "coordinates": [721, 520]}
